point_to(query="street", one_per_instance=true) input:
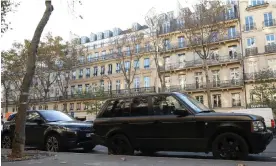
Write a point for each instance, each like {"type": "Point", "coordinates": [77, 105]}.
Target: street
{"type": "Point", "coordinates": [99, 157]}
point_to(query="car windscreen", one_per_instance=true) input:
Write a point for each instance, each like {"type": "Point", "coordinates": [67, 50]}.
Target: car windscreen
{"type": "Point", "coordinates": [196, 105]}
{"type": "Point", "coordinates": [54, 116]}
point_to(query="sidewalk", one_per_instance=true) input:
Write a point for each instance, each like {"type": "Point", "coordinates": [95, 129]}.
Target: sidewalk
{"type": "Point", "coordinates": [84, 159]}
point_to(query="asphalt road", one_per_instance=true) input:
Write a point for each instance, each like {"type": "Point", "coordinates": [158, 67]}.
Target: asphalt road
{"type": "Point", "coordinates": [269, 155]}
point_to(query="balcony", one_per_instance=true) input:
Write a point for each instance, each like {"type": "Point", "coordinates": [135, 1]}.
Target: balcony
{"type": "Point", "coordinates": [223, 84]}
{"type": "Point", "coordinates": [270, 48]}
{"type": "Point", "coordinates": [251, 51]}
{"type": "Point", "coordinates": [269, 23]}
{"type": "Point", "coordinates": [97, 95]}
{"type": "Point", "coordinates": [260, 4]}
{"type": "Point", "coordinates": [249, 27]}
{"type": "Point", "coordinates": [270, 74]}
{"type": "Point", "coordinates": [198, 63]}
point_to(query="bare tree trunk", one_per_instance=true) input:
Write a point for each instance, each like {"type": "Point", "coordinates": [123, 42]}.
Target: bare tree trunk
{"type": "Point", "coordinates": [207, 83]}
{"type": "Point", "coordinates": [19, 133]}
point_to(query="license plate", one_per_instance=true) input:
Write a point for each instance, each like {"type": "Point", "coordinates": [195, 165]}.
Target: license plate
{"type": "Point", "coordinates": [88, 134]}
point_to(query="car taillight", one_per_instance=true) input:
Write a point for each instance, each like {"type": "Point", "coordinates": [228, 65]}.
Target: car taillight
{"type": "Point", "coordinates": [272, 123]}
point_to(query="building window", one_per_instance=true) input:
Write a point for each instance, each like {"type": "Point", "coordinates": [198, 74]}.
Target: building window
{"type": "Point", "coordinates": [102, 70]}
{"type": "Point", "coordinates": [118, 67]}
{"type": "Point", "coordinates": [136, 83]}
{"type": "Point", "coordinates": [182, 81]}
{"type": "Point", "coordinates": [136, 64]}
{"type": "Point", "coordinates": [95, 71]}
{"type": "Point", "coordinates": [87, 72]}
{"type": "Point", "coordinates": [137, 48]}
{"type": "Point", "coordinates": [167, 44]}
{"type": "Point", "coordinates": [231, 32]}
{"type": "Point", "coordinates": [81, 73]}
{"type": "Point", "coordinates": [146, 82]}
{"type": "Point", "coordinates": [167, 82]}
{"type": "Point", "coordinates": [118, 85]}
{"type": "Point", "coordinates": [236, 99]}
{"type": "Point", "coordinates": [81, 59]}
{"type": "Point", "coordinates": [56, 107]}
{"type": "Point", "coordinates": [109, 86]}
{"type": "Point", "coordinates": [166, 27]}
{"type": "Point", "coordinates": [96, 56]}
{"type": "Point", "coordinates": [86, 88]}
{"type": "Point", "coordinates": [198, 80]}
{"type": "Point", "coordinates": [216, 78]}
{"type": "Point", "coordinates": [78, 106]}
{"type": "Point", "coordinates": [233, 51]}
{"type": "Point", "coordinates": [45, 107]}
{"type": "Point", "coordinates": [217, 100]}
{"type": "Point", "coordinates": [127, 65]}
{"type": "Point", "coordinates": [80, 89]}
{"type": "Point", "coordinates": [64, 107]}
{"type": "Point", "coordinates": [235, 75]}
{"type": "Point", "coordinates": [72, 90]}
{"type": "Point", "coordinates": [89, 58]}
{"type": "Point", "coordinates": [270, 39]}
{"type": "Point", "coordinates": [251, 42]}
{"type": "Point", "coordinates": [109, 69]}
{"type": "Point", "coordinates": [268, 21]}
{"type": "Point", "coordinates": [128, 51]}
{"type": "Point", "coordinates": [147, 47]}
{"type": "Point", "coordinates": [252, 67]}
{"type": "Point", "coordinates": [181, 42]}
{"type": "Point", "coordinates": [249, 23]}
{"type": "Point", "coordinates": [200, 99]}
{"type": "Point", "coordinates": [73, 75]}
{"type": "Point", "coordinates": [102, 85]}
{"type": "Point", "coordinates": [71, 106]}
{"type": "Point", "coordinates": [146, 63]}
{"type": "Point", "coordinates": [256, 2]}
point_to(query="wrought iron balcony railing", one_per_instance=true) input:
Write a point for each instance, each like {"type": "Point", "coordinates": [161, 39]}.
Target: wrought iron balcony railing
{"type": "Point", "coordinates": [260, 75]}
{"type": "Point", "coordinates": [199, 62]}
{"type": "Point", "coordinates": [270, 48]}
{"type": "Point", "coordinates": [251, 51]}
{"type": "Point", "coordinates": [202, 86]}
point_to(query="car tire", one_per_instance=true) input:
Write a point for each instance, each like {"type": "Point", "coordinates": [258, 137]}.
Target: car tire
{"type": "Point", "coordinates": [53, 143]}
{"type": "Point", "coordinates": [88, 148]}
{"type": "Point", "coordinates": [119, 145]}
{"type": "Point", "coordinates": [6, 141]}
{"type": "Point", "coordinates": [230, 146]}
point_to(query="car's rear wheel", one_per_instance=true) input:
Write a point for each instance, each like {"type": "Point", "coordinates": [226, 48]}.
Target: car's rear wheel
{"type": "Point", "coordinates": [88, 148]}
{"type": "Point", "coordinates": [53, 143]}
{"type": "Point", "coordinates": [119, 145]}
{"type": "Point", "coordinates": [6, 141]}
{"type": "Point", "coordinates": [230, 146]}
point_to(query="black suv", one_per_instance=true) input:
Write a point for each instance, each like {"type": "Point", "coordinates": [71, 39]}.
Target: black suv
{"type": "Point", "coordinates": [51, 130]}
{"type": "Point", "coordinates": [177, 122]}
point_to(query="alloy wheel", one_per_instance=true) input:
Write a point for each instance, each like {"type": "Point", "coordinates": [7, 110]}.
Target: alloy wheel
{"type": "Point", "coordinates": [6, 142]}
{"type": "Point", "coordinates": [52, 144]}
{"type": "Point", "coordinates": [229, 148]}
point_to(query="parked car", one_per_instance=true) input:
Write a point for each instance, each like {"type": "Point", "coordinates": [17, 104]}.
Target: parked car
{"type": "Point", "coordinates": [51, 130]}
{"type": "Point", "coordinates": [177, 122]}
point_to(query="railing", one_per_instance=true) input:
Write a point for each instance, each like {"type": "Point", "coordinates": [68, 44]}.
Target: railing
{"type": "Point", "coordinates": [269, 23]}
{"type": "Point", "coordinates": [199, 62]}
{"type": "Point", "coordinates": [249, 27]}
{"type": "Point", "coordinates": [98, 95]}
{"type": "Point", "coordinates": [251, 51]}
{"type": "Point", "coordinates": [260, 75]}
{"type": "Point", "coordinates": [270, 48]}
{"type": "Point", "coordinates": [176, 27]}
{"type": "Point", "coordinates": [202, 86]}
{"type": "Point", "coordinates": [259, 4]}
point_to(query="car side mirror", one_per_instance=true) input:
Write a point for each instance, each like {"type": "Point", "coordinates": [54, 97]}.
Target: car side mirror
{"type": "Point", "coordinates": [181, 113]}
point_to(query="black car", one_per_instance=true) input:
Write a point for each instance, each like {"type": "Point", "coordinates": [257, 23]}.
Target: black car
{"type": "Point", "coordinates": [51, 130]}
{"type": "Point", "coordinates": [177, 122]}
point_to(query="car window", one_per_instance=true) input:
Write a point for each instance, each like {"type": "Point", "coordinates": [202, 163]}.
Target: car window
{"type": "Point", "coordinates": [166, 105]}
{"type": "Point", "coordinates": [139, 106]}
{"type": "Point", "coordinates": [31, 116]}
{"type": "Point", "coordinates": [117, 108]}
{"type": "Point", "coordinates": [54, 116]}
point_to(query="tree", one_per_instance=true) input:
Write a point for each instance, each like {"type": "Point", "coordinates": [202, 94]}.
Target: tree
{"type": "Point", "coordinates": [129, 59]}
{"type": "Point", "coordinates": [154, 21]}
{"type": "Point", "coordinates": [94, 106]}
{"type": "Point", "coordinates": [7, 6]}
{"type": "Point", "coordinates": [47, 65]}
{"type": "Point", "coordinates": [19, 132]}
{"type": "Point", "coordinates": [264, 89]}
{"type": "Point", "coordinates": [203, 30]}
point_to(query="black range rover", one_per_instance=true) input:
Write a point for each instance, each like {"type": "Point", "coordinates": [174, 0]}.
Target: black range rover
{"type": "Point", "coordinates": [177, 122]}
{"type": "Point", "coordinates": [51, 130]}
